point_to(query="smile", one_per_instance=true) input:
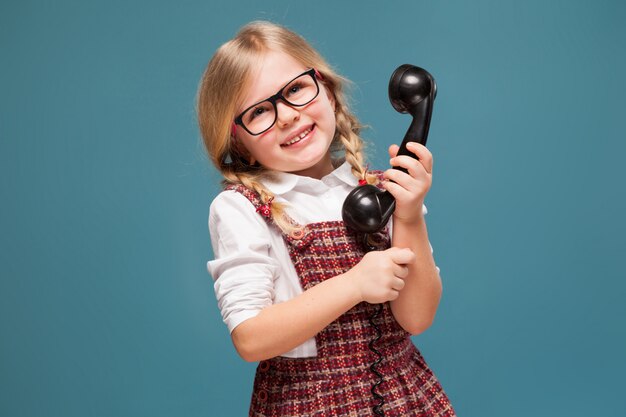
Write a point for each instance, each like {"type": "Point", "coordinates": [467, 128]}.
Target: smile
{"type": "Point", "coordinates": [298, 137]}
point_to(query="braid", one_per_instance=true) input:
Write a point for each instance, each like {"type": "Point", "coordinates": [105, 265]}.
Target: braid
{"type": "Point", "coordinates": [251, 181]}
{"type": "Point", "coordinates": [348, 129]}
{"type": "Point", "coordinates": [248, 180]}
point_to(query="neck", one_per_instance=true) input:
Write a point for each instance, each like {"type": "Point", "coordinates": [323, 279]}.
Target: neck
{"type": "Point", "coordinates": [319, 170]}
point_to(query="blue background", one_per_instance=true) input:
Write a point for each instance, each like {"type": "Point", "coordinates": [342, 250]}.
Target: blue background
{"type": "Point", "coordinates": [106, 308]}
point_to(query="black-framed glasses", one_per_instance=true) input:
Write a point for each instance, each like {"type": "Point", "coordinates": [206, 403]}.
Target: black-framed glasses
{"type": "Point", "coordinates": [298, 92]}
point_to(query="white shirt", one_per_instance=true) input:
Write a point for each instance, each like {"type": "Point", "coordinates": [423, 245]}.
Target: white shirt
{"type": "Point", "coordinates": [252, 268]}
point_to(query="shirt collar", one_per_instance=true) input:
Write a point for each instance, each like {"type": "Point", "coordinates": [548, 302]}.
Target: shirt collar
{"type": "Point", "coordinates": [283, 182]}
{"type": "Point", "coordinates": [344, 174]}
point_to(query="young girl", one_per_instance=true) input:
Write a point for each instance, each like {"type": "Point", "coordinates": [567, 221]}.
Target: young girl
{"type": "Point", "coordinates": [296, 288]}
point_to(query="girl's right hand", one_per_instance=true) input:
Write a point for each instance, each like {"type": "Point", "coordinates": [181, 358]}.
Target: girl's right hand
{"type": "Point", "coordinates": [379, 276]}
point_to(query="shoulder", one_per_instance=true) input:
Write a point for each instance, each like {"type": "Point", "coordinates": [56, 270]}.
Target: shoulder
{"type": "Point", "coordinates": [233, 207]}
{"type": "Point", "coordinates": [230, 197]}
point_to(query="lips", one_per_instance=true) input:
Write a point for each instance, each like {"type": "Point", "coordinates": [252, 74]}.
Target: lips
{"type": "Point", "coordinates": [298, 136]}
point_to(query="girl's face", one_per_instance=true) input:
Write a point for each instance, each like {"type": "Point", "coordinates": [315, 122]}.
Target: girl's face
{"type": "Point", "coordinates": [299, 141]}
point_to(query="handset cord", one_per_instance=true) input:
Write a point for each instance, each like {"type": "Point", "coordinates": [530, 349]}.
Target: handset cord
{"type": "Point", "coordinates": [378, 407]}
{"type": "Point", "coordinates": [373, 367]}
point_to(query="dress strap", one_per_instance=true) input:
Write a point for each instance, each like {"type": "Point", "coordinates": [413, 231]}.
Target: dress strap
{"type": "Point", "coordinates": [263, 210]}
{"type": "Point", "coordinates": [379, 176]}
{"type": "Point", "coordinates": [251, 195]}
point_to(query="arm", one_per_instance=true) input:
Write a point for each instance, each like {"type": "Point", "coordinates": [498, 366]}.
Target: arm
{"type": "Point", "coordinates": [417, 303]}
{"type": "Point", "coordinates": [279, 328]}
{"type": "Point", "coordinates": [282, 327]}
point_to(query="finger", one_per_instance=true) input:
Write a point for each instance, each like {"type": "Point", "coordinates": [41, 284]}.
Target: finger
{"type": "Point", "coordinates": [398, 284]}
{"type": "Point", "coordinates": [401, 255]}
{"type": "Point", "coordinates": [396, 175]}
{"type": "Point", "coordinates": [412, 165]}
{"type": "Point", "coordinates": [400, 271]}
{"type": "Point", "coordinates": [423, 154]}
{"type": "Point", "coordinates": [406, 182]}
{"type": "Point", "coordinates": [393, 150]}
{"type": "Point", "coordinates": [397, 191]}
{"type": "Point", "coordinates": [393, 294]}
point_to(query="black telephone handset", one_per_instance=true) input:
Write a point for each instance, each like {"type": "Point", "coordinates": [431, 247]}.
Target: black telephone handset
{"type": "Point", "coordinates": [412, 90]}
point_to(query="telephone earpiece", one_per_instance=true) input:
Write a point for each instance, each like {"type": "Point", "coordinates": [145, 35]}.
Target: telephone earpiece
{"type": "Point", "coordinates": [411, 90]}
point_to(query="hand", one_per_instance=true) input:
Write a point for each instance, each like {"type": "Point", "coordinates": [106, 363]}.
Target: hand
{"type": "Point", "coordinates": [379, 276]}
{"type": "Point", "coordinates": [410, 189]}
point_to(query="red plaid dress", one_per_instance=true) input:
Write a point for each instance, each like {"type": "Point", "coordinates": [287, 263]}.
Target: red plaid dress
{"type": "Point", "coordinates": [338, 381]}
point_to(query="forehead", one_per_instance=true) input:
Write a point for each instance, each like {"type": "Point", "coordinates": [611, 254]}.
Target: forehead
{"type": "Point", "coordinates": [274, 71]}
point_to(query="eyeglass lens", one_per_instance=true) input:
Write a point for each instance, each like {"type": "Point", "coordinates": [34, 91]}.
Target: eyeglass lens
{"type": "Point", "coordinates": [298, 92]}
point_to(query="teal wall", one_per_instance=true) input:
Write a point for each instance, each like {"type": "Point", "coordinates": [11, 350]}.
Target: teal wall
{"type": "Point", "coordinates": [106, 308]}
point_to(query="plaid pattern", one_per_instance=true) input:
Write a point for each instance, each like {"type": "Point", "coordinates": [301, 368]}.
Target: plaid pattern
{"type": "Point", "coordinates": [338, 381]}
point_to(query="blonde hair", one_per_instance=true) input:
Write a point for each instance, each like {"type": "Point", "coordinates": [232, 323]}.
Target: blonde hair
{"type": "Point", "coordinates": [223, 85]}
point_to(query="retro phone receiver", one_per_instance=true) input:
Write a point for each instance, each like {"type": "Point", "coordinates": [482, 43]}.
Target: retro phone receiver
{"type": "Point", "coordinates": [412, 90]}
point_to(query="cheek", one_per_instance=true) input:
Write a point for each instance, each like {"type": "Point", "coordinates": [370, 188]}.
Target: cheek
{"type": "Point", "coordinates": [262, 146]}
{"type": "Point", "coordinates": [247, 146]}
{"type": "Point", "coordinates": [257, 148]}
{"type": "Point", "coordinates": [324, 112]}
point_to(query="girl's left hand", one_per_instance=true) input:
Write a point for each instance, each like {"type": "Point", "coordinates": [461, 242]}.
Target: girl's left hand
{"type": "Point", "coordinates": [410, 189]}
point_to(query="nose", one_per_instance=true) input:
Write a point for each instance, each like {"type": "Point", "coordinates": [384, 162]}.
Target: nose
{"type": "Point", "coordinates": [286, 114]}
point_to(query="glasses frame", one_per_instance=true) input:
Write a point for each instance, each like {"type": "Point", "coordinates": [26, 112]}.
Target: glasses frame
{"type": "Point", "coordinates": [279, 96]}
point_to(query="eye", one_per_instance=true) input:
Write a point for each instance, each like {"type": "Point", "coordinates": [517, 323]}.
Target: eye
{"type": "Point", "coordinates": [294, 89]}
{"type": "Point", "coordinates": [260, 111]}
{"type": "Point", "coordinates": [256, 112]}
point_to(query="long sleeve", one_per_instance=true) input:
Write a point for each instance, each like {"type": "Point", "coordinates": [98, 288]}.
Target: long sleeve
{"type": "Point", "coordinates": [243, 270]}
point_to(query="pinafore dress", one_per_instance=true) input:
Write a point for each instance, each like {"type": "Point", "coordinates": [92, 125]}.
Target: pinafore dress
{"type": "Point", "coordinates": [339, 381]}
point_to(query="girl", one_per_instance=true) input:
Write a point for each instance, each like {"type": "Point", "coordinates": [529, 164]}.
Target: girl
{"type": "Point", "coordinates": [295, 287]}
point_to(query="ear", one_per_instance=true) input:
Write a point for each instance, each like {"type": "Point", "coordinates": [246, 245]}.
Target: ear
{"type": "Point", "coordinates": [331, 98]}
{"type": "Point", "coordinates": [237, 148]}
{"type": "Point", "coordinates": [329, 93]}
{"type": "Point", "coordinates": [240, 151]}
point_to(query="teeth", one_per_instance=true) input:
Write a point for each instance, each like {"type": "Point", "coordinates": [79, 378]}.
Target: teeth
{"type": "Point", "coordinates": [297, 138]}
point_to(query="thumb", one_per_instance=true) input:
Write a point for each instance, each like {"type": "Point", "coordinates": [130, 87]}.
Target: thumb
{"type": "Point", "coordinates": [402, 255]}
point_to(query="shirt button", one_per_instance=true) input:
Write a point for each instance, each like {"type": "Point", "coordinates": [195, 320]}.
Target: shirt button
{"type": "Point", "coordinates": [262, 395]}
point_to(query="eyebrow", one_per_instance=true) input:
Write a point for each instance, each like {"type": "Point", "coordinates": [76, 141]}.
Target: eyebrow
{"type": "Point", "coordinates": [275, 91]}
